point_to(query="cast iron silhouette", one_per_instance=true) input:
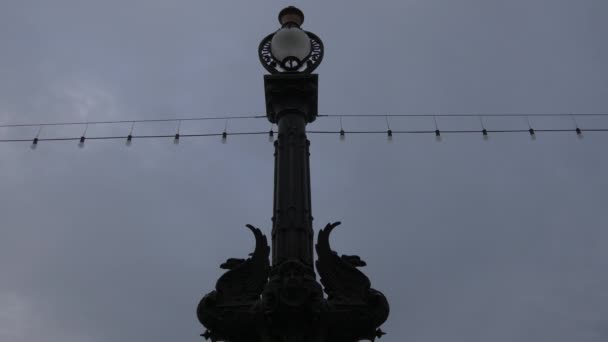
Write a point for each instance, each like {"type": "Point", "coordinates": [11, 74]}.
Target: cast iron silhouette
{"type": "Point", "coordinates": [256, 302]}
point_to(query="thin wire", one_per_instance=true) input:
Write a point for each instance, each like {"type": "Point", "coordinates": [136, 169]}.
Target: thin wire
{"type": "Point", "coordinates": [38, 133]}
{"type": "Point", "coordinates": [132, 127]}
{"type": "Point", "coordinates": [461, 131]}
{"type": "Point", "coordinates": [481, 122]}
{"type": "Point", "coordinates": [132, 121]}
{"type": "Point", "coordinates": [574, 120]}
{"type": "Point", "coordinates": [466, 114]}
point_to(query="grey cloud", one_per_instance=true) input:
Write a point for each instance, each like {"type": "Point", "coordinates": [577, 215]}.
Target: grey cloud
{"type": "Point", "coordinates": [470, 240]}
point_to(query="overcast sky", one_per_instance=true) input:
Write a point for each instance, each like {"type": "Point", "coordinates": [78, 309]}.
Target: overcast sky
{"type": "Point", "coordinates": [470, 240]}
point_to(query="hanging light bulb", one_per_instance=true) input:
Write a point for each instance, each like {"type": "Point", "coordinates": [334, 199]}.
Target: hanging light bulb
{"type": "Point", "coordinates": [35, 141]}
{"type": "Point", "coordinates": [82, 138]}
{"type": "Point", "coordinates": [225, 132]}
{"type": "Point", "coordinates": [389, 131]}
{"type": "Point", "coordinates": [437, 132]}
{"type": "Point", "coordinates": [130, 136]}
{"type": "Point", "coordinates": [530, 129]}
{"type": "Point", "coordinates": [176, 137]}
{"type": "Point", "coordinates": [484, 131]}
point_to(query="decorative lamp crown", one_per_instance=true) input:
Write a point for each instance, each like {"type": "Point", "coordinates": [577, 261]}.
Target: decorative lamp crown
{"type": "Point", "coordinates": [291, 15]}
{"type": "Point", "coordinates": [291, 49]}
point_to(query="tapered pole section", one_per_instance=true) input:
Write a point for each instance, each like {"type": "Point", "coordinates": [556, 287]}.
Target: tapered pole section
{"type": "Point", "coordinates": [291, 101]}
{"type": "Point", "coordinates": [292, 234]}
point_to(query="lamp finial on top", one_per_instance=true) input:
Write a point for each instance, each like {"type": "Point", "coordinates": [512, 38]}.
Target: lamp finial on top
{"type": "Point", "coordinates": [291, 15]}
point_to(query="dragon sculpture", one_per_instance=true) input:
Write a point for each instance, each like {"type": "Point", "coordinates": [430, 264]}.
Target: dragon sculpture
{"type": "Point", "coordinates": [355, 308]}
{"type": "Point", "coordinates": [236, 294]}
{"type": "Point", "coordinates": [253, 302]}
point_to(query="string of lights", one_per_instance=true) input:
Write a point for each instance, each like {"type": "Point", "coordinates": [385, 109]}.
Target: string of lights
{"type": "Point", "coordinates": [437, 131]}
{"type": "Point", "coordinates": [342, 133]}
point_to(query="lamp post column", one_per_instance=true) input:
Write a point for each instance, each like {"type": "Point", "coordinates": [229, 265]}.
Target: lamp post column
{"type": "Point", "coordinates": [291, 104]}
{"type": "Point", "coordinates": [282, 301]}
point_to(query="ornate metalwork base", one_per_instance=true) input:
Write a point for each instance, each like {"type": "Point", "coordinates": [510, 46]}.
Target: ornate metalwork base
{"type": "Point", "coordinates": [253, 302]}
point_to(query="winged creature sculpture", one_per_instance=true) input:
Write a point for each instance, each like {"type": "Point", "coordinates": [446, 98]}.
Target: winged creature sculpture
{"type": "Point", "coordinates": [236, 292]}
{"type": "Point", "coordinates": [348, 288]}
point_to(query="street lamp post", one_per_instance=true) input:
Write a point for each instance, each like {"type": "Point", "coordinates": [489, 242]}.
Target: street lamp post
{"type": "Point", "coordinates": [259, 301]}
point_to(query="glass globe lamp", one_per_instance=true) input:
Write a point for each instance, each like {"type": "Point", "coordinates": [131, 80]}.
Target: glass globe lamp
{"type": "Point", "coordinates": [291, 49]}
{"type": "Point", "coordinates": [290, 46]}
